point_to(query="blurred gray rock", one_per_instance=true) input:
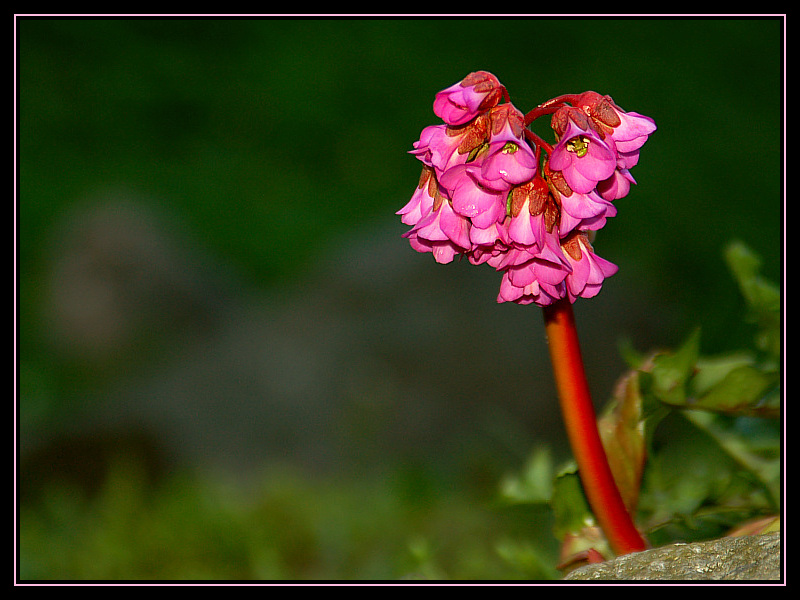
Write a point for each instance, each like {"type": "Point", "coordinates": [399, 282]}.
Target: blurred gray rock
{"type": "Point", "coordinates": [745, 558]}
{"type": "Point", "coordinates": [374, 356]}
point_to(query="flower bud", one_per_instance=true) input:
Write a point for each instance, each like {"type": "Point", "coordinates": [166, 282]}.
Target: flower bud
{"type": "Point", "coordinates": [461, 102]}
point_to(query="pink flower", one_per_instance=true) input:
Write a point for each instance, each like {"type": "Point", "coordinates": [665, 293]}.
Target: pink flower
{"type": "Point", "coordinates": [437, 149]}
{"type": "Point", "coordinates": [587, 269]}
{"type": "Point", "coordinates": [508, 160]}
{"type": "Point", "coordinates": [492, 255]}
{"type": "Point", "coordinates": [627, 131]}
{"type": "Point", "coordinates": [528, 203]}
{"type": "Point", "coordinates": [481, 194]}
{"type": "Point", "coordinates": [525, 228]}
{"type": "Point", "coordinates": [440, 231]}
{"type": "Point", "coordinates": [422, 147]}
{"type": "Point", "coordinates": [421, 200]}
{"type": "Point", "coordinates": [536, 292]}
{"type": "Point", "coordinates": [461, 102]}
{"type": "Point", "coordinates": [443, 252]}
{"type": "Point", "coordinates": [584, 211]}
{"type": "Point", "coordinates": [617, 186]}
{"type": "Point", "coordinates": [548, 256]}
{"type": "Point", "coordinates": [534, 275]}
{"type": "Point", "coordinates": [495, 234]}
{"type": "Point", "coordinates": [535, 280]}
{"type": "Point", "coordinates": [632, 132]}
{"type": "Point", "coordinates": [443, 147]}
{"type": "Point", "coordinates": [583, 157]}
{"type": "Point", "coordinates": [507, 163]}
{"type": "Point", "coordinates": [482, 206]}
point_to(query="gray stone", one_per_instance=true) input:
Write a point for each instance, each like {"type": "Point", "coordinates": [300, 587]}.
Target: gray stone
{"type": "Point", "coordinates": [750, 557]}
{"type": "Point", "coordinates": [373, 356]}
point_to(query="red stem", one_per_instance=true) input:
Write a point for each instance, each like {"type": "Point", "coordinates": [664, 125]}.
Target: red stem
{"type": "Point", "coordinates": [538, 142]}
{"type": "Point", "coordinates": [549, 107]}
{"type": "Point", "coordinates": [581, 425]}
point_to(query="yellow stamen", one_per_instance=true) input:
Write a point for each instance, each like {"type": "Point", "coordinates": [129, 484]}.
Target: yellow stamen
{"type": "Point", "coordinates": [579, 145]}
{"type": "Point", "coordinates": [509, 148]}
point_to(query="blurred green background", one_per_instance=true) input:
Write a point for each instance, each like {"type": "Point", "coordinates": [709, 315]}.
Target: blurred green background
{"type": "Point", "coordinates": [230, 363]}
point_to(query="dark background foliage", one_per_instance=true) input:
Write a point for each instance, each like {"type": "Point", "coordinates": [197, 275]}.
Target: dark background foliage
{"type": "Point", "coordinates": [211, 276]}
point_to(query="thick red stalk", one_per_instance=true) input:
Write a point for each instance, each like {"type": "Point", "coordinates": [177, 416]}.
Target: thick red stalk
{"type": "Point", "coordinates": [581, 425]}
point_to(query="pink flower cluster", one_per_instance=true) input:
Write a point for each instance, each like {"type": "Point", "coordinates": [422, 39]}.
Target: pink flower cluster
{"type": "Point", "coordinates": [493, 191]}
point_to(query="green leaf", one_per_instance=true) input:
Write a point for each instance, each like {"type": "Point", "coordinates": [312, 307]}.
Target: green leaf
{"type": "Point", "coordinates": [711, 370]}
{"type": "Point", "coordinates": [632, 357]}
{"type": "Point", "coordinates": [753, 444]}
{"type": "Point", "coordinates": [743, 391]}
{"type": "Point", "coordinates": [688, 471]}
{"type": "Point", "coordinates": [622, 429]}
{"type": "Point", "coordinates": [671, 372]}
{"type": "Point", "coordinates": [571, 510]}
{"type": "Point", "coordinates": [535, 484]}
{"type": "Point", "coordinates": [530, 560]}
{"type": "Point", "coordinates": [575, 525]}
{"type": "Point", "coordinates": [763, 297]}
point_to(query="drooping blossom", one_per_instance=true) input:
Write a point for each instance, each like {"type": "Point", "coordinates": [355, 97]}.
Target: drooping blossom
{"type": "Point", "coordinates": [508, 160]}
{"type": "Point", "coordinates": [483, 206]}
{"type": "Point", "coordinates": [537, 292]}
{"type": "Point", "coordinates": [583, 157]}
{"type": "Point", "coordinates": [484, 195]}
{"type": "Point", "coordinates": [536, 275]}
{"type": "Point", "coordinates": [587, 211]}
{"type": "Point", "coordinates": [444, 147]}
{"type": "Point", "coordinates": [441, 232]}
{"type": "Point", "coordinates": [617, 186]}
{"type": "Point", "coordinates": [527, 207]}
{"type": "Point", "coordinates": [587, 269]}
{"type": "Point", "coordinates": [421, 201]}
{"type": "Point", "coordinates": [462, 101]}
{"type": "Point", "coordinates": [627, 131]}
